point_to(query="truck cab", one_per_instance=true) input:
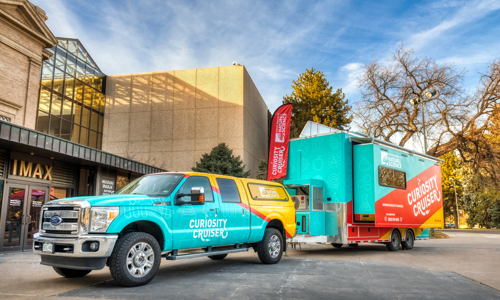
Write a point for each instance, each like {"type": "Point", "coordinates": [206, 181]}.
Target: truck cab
{"type": "Point", "coordinates": [176, 215]}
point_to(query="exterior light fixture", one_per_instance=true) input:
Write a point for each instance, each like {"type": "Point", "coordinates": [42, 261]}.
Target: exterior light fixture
{"type": "Point", "coordinates": [415, 100]}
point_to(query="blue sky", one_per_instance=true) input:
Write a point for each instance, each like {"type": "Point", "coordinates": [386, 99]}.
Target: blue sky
{"type": "Point", "coordinates": [276, 41]}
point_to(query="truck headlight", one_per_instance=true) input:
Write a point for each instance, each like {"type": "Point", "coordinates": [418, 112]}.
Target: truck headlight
{"type": "Point", "coordinates": [101, 218]}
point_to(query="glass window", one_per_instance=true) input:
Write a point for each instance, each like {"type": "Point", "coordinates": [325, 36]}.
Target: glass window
{"type": "Point", "coordinates": [97, 83]}
{"type": "Point", "coordinates": [94, 121]}
{"type": "Point", "coordinates": [60, 58]}
{"type": "Point", "coordinates": [47, 70]}
{"type": "Point", "coordinates": [71, 65]}
{"type": "Point", "coordinates": [55, 126]}
{"type": "Point", "coordinates": [63, 44]}
{"type": "Point", "coordinates": [102, 101]}
{"type": "Point", "coordinates": [391, 178]}
{"type": "Point", "coordinates": [69, 84]}
{"type": "Point", "coordinates": [228, 190]}
{"type": "Point", "coordinates": [56, 105]}
{"type": "Point", "coordinates": [66, 130]}
{"type": "Point", "coordinates": [58, 83]}
{"type": "Point", "coordinates": [72, 47]}
{"type": "Point", "coordinates": [87, 96]}
{"type": "Point", "coordinates": [84, 136]}
{"type": "Point", "coordinates": [80, 69]}
{"type": "Point", "coordinates": [78, 91]}
{"type": "Point", "coordinates": [80, 53]}
{"type": "Point", "coordinates": [121, 181]}
{"type": "Point", "coordinates": [99, 141]}
{"type": "Point", "coordinates": [95, 100]}
{"type": "Point", "coordinates": [85, 117]}
{"type": "Point", "coordinates": [161, 184]}
{"type": "Point", "coordinates": [42, 122]}
{"type": "Point", "coordinates": [93, 139]}
{"type": "Point", "coordinates": [44, 99]}
{"type": "Point", "coordinates": [77, 108]}
{"type": "Point", "coordinates": [197, 181]}
{"type": "Point", "coordinates": [67, 110]}
{"type": "Point", "coordinates": [75, 134]}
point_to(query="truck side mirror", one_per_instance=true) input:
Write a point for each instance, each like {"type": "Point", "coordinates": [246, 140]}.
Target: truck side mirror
{"type": "Point", "coordinates": [197, 197]}
{"type": "Point", "coordinates": [198, 194]}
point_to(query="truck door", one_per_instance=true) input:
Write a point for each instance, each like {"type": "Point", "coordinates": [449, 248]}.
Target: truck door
{"type": "Point", "coordinates": [197, 226]}
{"type": "Point", "coordinates": [236, 218]}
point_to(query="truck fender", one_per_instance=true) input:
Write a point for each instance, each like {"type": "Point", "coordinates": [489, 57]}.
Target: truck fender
{"type": "Point", "coordinates": [278, 216]}
{"type": "Point", "coordinates": [145, 215]}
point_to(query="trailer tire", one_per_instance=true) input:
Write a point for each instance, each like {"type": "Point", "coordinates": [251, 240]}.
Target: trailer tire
{"type": "Point", "coordinates": [409, 241]}
{"type": "Point", "coordinates": [337, 245]}
{"type": "Point", "coordinates": [395, 242]}
{"type": "Point", "coordinates": [270, 249]}
{"type": "Point", "coordinates": [352, 245]}
{"type": "Point", "coordinates": [71, 273]}
{"type": "Point", "coordinates": [133, 253]}
{"type": "Point", "coordinates": [217, 257]}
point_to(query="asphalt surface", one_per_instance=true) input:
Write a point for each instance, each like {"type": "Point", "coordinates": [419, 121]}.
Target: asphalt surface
{"type": "Point", "coordinates": [293, 279]}
{"type": "Point", "coordinates": [493, 231]}
{"type": "Point", "coordinates": [462, 267]}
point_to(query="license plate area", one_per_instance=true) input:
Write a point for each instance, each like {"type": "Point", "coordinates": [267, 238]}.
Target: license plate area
{"type": "Point", "coordinates": [48, 247]}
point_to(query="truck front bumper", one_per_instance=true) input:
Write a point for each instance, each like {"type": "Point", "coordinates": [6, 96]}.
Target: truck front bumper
{"type": "Point", "coordinates": [75, 252]}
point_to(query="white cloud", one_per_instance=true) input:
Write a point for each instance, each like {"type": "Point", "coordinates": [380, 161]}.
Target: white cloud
{"type": "Point", "coordinates": [352, 72]}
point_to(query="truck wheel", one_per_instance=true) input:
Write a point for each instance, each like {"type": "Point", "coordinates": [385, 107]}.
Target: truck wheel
{"type": "Point", "coordinates": [337, 245]}
{"type": "Point", "coordinates": [217, 257]}
{"type": "Point", "coordinates": [395, 242]}
{"type": "Point", "coordinates": [71, 273]}
{"type": "Point", "coordinates": [270, 249]}
{"type": "Point", "coordinates": [409, 240]}
{"type": "Point", "coordinates": [135, 259]}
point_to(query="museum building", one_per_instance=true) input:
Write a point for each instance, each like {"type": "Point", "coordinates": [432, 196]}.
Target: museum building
{"type": "Point", "coordinates": [67, 129]}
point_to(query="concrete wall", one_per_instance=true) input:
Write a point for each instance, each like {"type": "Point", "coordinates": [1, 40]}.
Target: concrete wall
{"type": "Point", "coordinates": [23, 39]}
{"type": "Point", "coordinates": [169, 119]}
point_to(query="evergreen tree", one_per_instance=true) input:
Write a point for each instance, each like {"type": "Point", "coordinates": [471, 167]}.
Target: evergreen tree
{"type": "Point", "coordinates": [261, 170]}
{"type": "Point", "coordinates": [314, 100]}
{"type": "Point", "coordinates": [221, 161]}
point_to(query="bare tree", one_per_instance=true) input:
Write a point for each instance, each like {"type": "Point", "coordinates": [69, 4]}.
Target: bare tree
{"type": "Point", "coordinates": [453, 119]}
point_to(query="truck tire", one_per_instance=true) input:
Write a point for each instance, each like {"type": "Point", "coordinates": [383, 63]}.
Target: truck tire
{"type": "Point", "coordinates": [409, 241]}
{"type": "Point", "coordinates": [337, 245]}
{"type": "Point", "coordinates": [217, 257]}
{"type": "Point", "coordinates": [135, 259]}
{"type": "Point", "coordinates": [71, 273]}
{"type": "Point", "coordinates": [270, 249]}
{"type": "Point", "coordinates": [395, 242]}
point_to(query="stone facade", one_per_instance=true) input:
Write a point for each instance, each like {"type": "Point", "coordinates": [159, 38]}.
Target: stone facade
{"type": "Point", "coordinates": [169, 119]}
{"type": "Point", "coordinates": [23, 39]}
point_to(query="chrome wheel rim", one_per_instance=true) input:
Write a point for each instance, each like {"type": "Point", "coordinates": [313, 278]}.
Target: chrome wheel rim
{"type": "Point", "coordinates": [274, 246]}
{"type": "Point", "coordinates": [140, 259]}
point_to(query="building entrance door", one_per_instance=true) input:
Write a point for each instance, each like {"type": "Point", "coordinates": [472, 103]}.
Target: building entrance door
{"type": "Point", "coordinates": [20, 219]}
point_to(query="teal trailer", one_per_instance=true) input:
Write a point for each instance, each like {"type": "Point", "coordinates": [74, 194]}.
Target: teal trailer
{"type": "Point", "coordinates": [350, 188]}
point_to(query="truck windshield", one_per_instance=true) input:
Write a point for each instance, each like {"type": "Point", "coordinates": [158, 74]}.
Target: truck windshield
{"type": "Point", "coordinates": [152, 185]}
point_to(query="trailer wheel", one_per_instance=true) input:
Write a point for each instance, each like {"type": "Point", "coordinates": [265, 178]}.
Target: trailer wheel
{"type": "Point", "coordinates": [270, 249]}
{"type": "Point", "coordinates": [352, 245]}
{"type": "Point", "coordinates": [337, 245]}
{"type": "Point", "coordinates": [135, 259]}
{"type": "Point", "coordinates": [395, 242]}
{"type": "Point", "coordinates": [217, 257]}
{"type": "Point", "coordinates": [409, 241]}
{"type": "Point", "coordinates": [71, 273]}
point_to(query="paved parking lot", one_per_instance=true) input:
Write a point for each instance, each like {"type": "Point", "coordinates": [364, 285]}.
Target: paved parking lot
{"type": "Point", "coordinates": [462, 267]}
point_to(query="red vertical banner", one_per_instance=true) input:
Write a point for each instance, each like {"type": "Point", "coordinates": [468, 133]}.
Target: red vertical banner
{"type": "Point", "coordinates": [278, 142]}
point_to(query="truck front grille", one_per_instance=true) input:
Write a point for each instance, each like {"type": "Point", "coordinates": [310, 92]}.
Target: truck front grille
{"type": "Point", "coordinates": [69, 222]}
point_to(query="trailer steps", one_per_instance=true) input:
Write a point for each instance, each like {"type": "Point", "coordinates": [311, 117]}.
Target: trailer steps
{"type": "Point", "coordinates": [208, 252]}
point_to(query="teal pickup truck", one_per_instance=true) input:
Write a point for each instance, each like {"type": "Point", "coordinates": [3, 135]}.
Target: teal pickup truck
{"type": "Point", "coordinates": [176, 215]}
